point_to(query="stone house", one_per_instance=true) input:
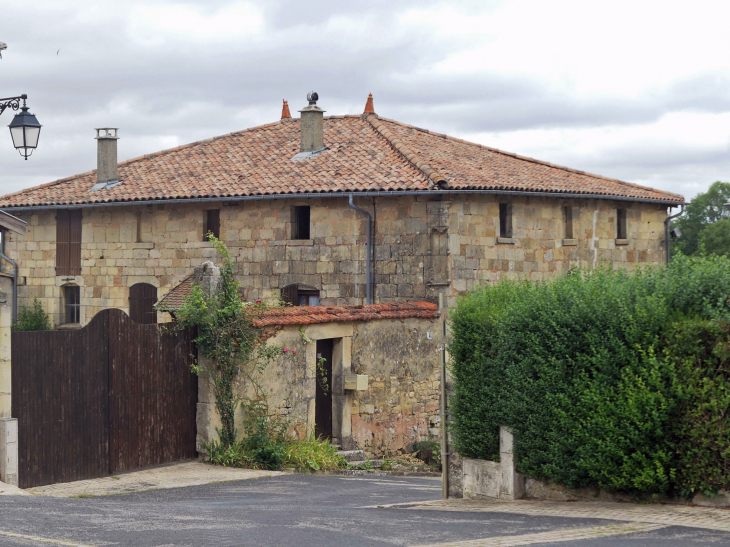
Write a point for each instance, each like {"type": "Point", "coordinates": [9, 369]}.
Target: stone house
{"type": "Point", "coordinates": [336, 210]}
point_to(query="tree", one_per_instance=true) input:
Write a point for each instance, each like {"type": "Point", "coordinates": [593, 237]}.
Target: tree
{"type": "Point", "coordinates": [34, 318]}
{"type": "Point", "coordinates": [227, 338]}
{"type": "Point", "coordinates": [702, 214]}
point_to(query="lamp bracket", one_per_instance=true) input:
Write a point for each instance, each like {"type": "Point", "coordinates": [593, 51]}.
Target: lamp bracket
{"type": "Point", "coordinates": [13, 103]}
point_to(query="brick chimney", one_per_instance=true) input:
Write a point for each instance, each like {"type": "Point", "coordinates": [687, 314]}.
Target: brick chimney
{"type": "Point", "coordinates": [312, 126]}
{"type": "Point", "coordinates": [106, 155]}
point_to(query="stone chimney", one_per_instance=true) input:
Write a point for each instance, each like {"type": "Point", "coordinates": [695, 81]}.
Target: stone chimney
{"type": "Point", "coordinates": [312, 128]}
{"type": "Point", "coordinates": [106, 155]}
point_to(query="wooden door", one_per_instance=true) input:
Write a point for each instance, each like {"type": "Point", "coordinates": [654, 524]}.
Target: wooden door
{"type": "Point", "coordinates": [323, 398]}
{"type": "Point", "coordinates": [142, 299]}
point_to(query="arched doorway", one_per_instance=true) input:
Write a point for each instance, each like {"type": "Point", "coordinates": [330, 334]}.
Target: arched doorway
{"type": "Point", "coordinates": [142, 298]}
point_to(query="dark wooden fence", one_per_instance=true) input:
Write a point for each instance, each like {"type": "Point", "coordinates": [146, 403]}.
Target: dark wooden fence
{"type": "Point", "coordinates": [110, 397]}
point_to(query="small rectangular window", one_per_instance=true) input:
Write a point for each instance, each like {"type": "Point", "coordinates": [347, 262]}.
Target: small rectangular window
{"type": "Point", "coordinates": [72, 304]}
{"type": "Point", "coordinates": [300, 222]}
{"type": "Point", "coordinates": [505, 220]}
{"type": "Point", "coordinates": [568, 219]}
{"type": "Point", "coordinates": [621, 227]}
{"type": "Point", "coordinates": [212, 224]}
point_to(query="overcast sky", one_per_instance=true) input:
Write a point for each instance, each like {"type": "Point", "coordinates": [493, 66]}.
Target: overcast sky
{"type": "Point", "coordinates": [638, 90]}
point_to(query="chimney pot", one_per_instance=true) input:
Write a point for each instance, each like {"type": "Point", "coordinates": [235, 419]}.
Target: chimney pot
{"type": "Point", "coordinates": [312, 126]}
{"type": "Point", "coordinates": [285, 111]}
{"type": "Point", "coordinates": [369, 108]}
{"type": "Point", "coordinates": [106, 154]}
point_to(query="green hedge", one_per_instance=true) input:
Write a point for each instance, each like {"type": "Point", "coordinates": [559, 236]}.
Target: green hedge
{"type": "Point", "coordinates": [595, 374]}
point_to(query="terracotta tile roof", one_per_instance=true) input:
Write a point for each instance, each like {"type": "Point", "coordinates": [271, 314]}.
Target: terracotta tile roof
{"type": "Point", "coordinates": [365, 153]}
{"type": "Point", "coordinates": [307, 315]}
{"type": "Point", "coordinates": [176, 297]}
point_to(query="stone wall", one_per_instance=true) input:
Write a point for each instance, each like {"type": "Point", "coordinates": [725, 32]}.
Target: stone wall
{"type": "Point", "coordinates": [421, 247]}
{"type": "Point", "coordinates": [399, 407]}
{"type": "Point", "coordinates": [6, 319]}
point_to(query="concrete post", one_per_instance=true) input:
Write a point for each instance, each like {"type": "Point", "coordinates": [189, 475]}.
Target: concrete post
{"type": "Point", "coordinates": [9, 451]}
{"type": "Point", "coordinates": [513, 483]}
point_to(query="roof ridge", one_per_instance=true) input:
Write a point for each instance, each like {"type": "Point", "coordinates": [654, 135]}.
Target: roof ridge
{"type": "Point", "coordinates": [400, 146]}
{"type": "Point", "coordinates": [533, 160]}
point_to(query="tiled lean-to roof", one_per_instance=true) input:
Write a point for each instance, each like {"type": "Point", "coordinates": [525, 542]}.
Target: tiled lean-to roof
{"type": "Point", "coordinates": [308, 315]}
{"type": "Point", "coordinates": [365, 153]}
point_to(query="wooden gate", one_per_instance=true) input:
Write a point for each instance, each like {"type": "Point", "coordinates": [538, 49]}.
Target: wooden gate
{"type": "Point", "coordinates": [110, 397]}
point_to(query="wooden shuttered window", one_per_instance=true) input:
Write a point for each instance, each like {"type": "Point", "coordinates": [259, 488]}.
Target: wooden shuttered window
{"type": "Point", "coordinates": [68, 242]}
{"type": "Point", "coordinates": [142, 298]}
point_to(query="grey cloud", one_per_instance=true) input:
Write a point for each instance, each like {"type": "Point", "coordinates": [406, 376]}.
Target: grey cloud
{"type": "Point", "coordinates": [187, 92]}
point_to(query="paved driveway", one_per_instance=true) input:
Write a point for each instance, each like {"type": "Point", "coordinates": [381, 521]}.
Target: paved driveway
{"type": "Point", "coordinates": [320, 511]}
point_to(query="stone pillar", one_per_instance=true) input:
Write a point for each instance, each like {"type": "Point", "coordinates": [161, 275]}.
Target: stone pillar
{"type": "Point", "coordinates": [6, 320]}
{"type": "Point", "coordinates": [9, 451]}
{"type": "Point", "coordinates": [208, 276]}
{"type": "Point", "coordinates": [513, 483]}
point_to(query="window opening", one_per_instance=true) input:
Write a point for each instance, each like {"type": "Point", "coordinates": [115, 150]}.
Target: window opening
{"type": "Point", "coordinates": [72, 304]}
{"type": "Point", "coordinates": [621, 231]}
{"type": "Point", "coordinates": [68, 242]}
{"type": "Point", "coordinates": [300, 222]}
{"type": "Point", "coordinates": [568, 218]}
{"type": "Point", "coordinates": [300, 296]}
{"type": "Point", "coordinates": [212, 224]}
{"type": "Point", "coordinates": [505, 220]}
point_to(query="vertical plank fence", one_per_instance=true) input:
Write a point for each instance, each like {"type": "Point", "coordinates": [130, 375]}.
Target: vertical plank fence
{"type": "Point", "coordinates": [110, 397]}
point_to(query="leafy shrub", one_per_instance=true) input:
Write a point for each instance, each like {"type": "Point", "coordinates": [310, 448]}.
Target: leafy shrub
{"type": "Point", "coordinates": [34, 318]}
{"type": "Point", "coordinates": [700, 350]}
{"type": "Point", "coordinates": [577, 368]}
{"type": "Point", "coordinates": [429, 451]}
{"type": "Point", "coordinates": [313, 455]}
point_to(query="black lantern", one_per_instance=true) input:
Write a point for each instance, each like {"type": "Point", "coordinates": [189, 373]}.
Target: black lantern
{"type": "Point", "coordinates": [25, 130]}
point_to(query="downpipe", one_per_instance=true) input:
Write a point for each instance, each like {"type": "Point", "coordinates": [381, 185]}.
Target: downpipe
{"type": "Point", "coordinates": [666, 230]}
{"type": "Point", "coordinates": [369, 247]}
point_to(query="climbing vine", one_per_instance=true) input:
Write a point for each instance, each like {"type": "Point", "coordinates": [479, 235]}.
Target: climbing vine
{"type": "Point", "coordinates": [228, 340]}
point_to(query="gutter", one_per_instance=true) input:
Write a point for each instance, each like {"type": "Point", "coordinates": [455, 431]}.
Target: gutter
{"type": "Point", "coordinates": [376, 193]}
{"type": "Point", "coordinates": [369, 247]}
{"type": "Point", "coordinates": [666, 228]}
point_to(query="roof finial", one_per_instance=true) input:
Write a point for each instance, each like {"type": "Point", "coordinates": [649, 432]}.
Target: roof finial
{"type": "Point", "coordinates": [285, 111]}
{"type": "Point", "coordinates": [369, 109]}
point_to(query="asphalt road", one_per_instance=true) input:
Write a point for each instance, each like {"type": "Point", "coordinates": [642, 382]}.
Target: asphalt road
{"type": "Point", "coordinates": [296, 510]}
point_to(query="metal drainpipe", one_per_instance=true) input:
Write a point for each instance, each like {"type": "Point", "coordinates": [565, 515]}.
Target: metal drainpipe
{"type": "Point", "coordinates": [666, 228]}
{"type": "Point", "coordinates": [369, 247]}
{"type": "Point", "coordinates": [15, 278]}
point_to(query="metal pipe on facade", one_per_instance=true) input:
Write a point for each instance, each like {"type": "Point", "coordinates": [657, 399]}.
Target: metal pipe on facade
{"type": "Point", "coordinates": [666, 229]}
{"type": "Point", "coordinates": [369, 247]}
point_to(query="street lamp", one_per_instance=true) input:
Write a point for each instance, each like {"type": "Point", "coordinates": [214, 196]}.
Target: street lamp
{"type": "Point", "coordinates": [24, 129]}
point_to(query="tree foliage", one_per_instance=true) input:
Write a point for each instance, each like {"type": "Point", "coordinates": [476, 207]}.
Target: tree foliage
{"type": "Point", "coordinates": [585, 372]}
{"type": "Point", "coordinates": [227, 339]}
{"type": "Point", "coordinates": [705, 222]}
{"type": "Point", "coordinates": [34, 318]}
